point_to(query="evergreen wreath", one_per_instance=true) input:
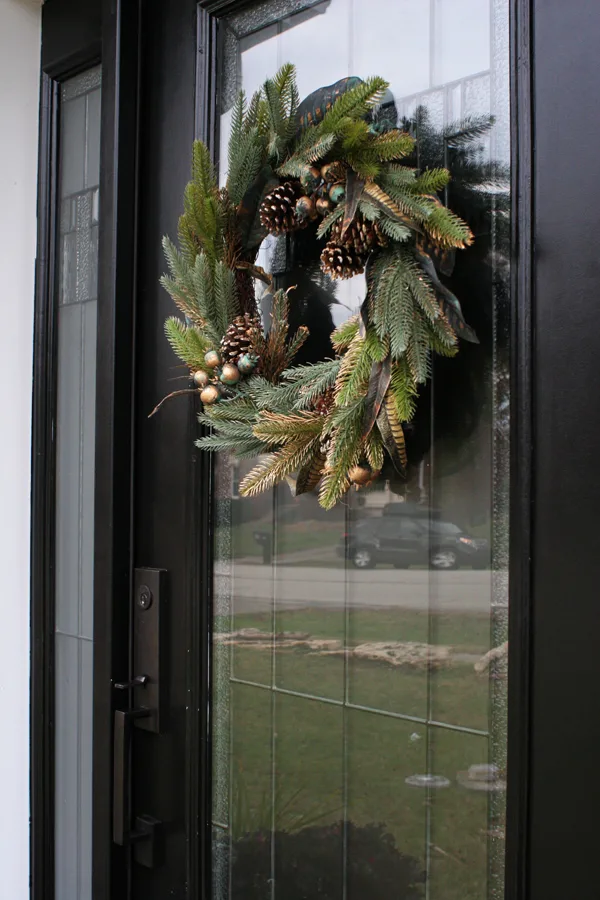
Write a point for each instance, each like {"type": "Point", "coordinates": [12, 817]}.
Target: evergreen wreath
{"type": "Point", "coordinates": [333, 163]}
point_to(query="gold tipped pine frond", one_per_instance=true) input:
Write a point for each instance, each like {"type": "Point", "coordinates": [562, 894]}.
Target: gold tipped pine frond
{"type": "Point", "coordinates": [385, 202]}
{"type": "Point", "coordinates": [274, 467]}
{"type": "Point", "coordinates": [276, 428]}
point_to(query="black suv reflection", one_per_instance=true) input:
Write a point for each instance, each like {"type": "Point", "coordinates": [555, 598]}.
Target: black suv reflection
{"type": "Point", "coordinates": [404, 538]}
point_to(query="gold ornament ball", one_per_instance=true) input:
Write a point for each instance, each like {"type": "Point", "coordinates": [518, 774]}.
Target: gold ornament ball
{"type": "Point", "coordinates": [305, 209]}
{"type": "Point", "coordinates": [230, 374]}
{"type": "Point", "coordinates": [332, 171]}
{"type": "Point", "coordinates": [210, 394]}
{"type": "Point", "coordinates": [324, 206]}
{"type": "Point", "coordinates": [311, 179]}
{"type": "Point", "coordinates": [337, 193]}
{"type": "Point", "coordinates": [360, 474]}
{"type": "Point", "coordinates": [200, 378]}
{"type": "Point", "coordinates": [212, 359]}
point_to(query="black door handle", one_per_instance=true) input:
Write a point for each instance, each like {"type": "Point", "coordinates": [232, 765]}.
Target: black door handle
{"type": "Point", "coordinates": [147, 831]}
{"type": "Point", "coordinates": [124, 720]}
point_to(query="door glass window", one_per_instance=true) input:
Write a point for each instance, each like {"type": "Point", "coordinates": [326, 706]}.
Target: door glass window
{"type": "Point", "coordinates": [359, 727]}
{"type": "Point", "coordinates": [77, 264]}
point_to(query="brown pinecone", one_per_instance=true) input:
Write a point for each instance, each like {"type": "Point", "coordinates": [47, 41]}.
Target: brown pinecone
{"type": "Point", "coordinates": [278, 209]}
{"type": "Point", "coordinates": [324, 402]}
{"type": "Point", "coordinates": [362, 235]}
{"type": "Point", "coordinates": [342, 260]}
{"type": "Point", "coordinates": [240, 337]}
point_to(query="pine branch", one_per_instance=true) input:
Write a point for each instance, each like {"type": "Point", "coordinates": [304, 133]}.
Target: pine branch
{"type": "Point", "coordinates": [448, 229]}
{"type": "Point", "coordinates": [239, 409]}
{"type": "Point", "coordinates": [393, 145]}
{"type": "Point", "coordinates": [385, 202]}
{"type": "Point", "coordinates": [329, 221]}
{"type": "Point", "coordinates": [354, 104]}
{"type": "Point", "coordinates": [226, 303]}
{"type": "Point", "coordinates": [418, 351]}
{"type": "Point", "coordinates": [318, 386]}
{"type": "Point", "coordinates": [275, 466]}
{"type": "Point", "coordinates": [431, 181]}
{"type": "Point", "coordinates": [276, 429]}
{"type": "Point", "coordinates": [187, 342]}
{"type": "Point", "coordinates": [296, 341]}
{"type": "Point", "coordinates": [374, 451]}
{"type": "Point", "coordinates": [403, 390]}
{"type": "Point", "coordinates": [246, 159]}
{"type": "Point", "coordinates": [346, 452]}
{"type": "Point", "coordinates": [314, 151]}
{"type": "Point", "coordinates": [242, 449]}
{"type": "Point", "coordinates": [344, 334]}
{"type": "Point", "coordinates": [354, 373]}
{"type": "Point", "coordinates": [201, 225]}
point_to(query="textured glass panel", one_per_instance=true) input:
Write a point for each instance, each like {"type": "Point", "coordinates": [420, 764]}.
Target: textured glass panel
{"type": "Point", "coordinates": [375, 634]}
{"type": "Point", "coordinates": [75, 428]}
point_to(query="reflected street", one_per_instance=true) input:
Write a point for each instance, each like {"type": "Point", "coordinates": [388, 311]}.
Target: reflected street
{"type": "Point", "coordinates": [255, 586]}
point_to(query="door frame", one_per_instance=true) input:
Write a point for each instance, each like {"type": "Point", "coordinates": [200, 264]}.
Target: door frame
{"type": "Point", "coordinates": [549, 552]}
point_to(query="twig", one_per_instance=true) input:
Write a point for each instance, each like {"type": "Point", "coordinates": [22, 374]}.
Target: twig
{"type": "Point", "coordinates": [168, 397]}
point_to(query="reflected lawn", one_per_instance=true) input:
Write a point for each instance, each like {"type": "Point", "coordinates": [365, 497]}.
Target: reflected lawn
{"type": "Point", "coordinates": [380, 751]}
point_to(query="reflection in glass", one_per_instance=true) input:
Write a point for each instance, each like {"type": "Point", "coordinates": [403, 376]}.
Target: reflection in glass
{"type": "Point", "coordinates": [360, 654]}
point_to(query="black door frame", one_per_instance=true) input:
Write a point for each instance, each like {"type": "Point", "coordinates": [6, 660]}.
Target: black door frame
{"type": "Point", "coordinates": [554, 419]}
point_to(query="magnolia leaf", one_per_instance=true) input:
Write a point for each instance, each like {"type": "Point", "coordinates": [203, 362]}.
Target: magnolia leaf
{"type": "Point", "coordinates": [381, 373]}
{"type": "Point", "coordinates": [443, 258]}
{"type": "Point", "coordinates": [354, 190]}
{"type": "Point", "coordinates": [450, 304]}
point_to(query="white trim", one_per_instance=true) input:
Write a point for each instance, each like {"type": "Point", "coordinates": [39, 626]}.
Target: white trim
{"type": "Point", "coordinates": [20, 35]}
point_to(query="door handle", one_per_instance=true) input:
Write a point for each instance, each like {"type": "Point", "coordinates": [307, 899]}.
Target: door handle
{"type": "Point", "coordinates": [146, 835]}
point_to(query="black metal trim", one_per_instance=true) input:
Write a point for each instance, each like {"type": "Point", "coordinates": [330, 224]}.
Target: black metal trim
{"type": "Point", "coordinates": [199, 529]}
{"type": "Point", "coordinates": [114, 414]}
{"type": "Point", "coordinates": [43, 508]}
{"type": "Point", "coordinates": [521, 456]}
{"type": "Point", "coordinates": [224, 7]}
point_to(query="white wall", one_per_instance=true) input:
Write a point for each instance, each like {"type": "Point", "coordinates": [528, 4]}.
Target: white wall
{"type": "Point", "coordinates": [19, 97]}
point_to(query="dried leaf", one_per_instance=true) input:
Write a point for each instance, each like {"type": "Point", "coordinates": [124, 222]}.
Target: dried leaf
{"type": "Point", "coordinates": [311, 473]}
{"type": "Point", "coordinates": [381, 373]}
{"type": "Point", "coordinates": [354, 190]}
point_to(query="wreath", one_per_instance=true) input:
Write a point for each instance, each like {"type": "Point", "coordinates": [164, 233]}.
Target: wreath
{"type": "Point", "coordinates": [335, 169]}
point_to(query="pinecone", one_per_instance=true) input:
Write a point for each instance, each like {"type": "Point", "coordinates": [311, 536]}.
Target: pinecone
{"type": "Point", "coordinates": [324, 402]}
{"type": "Point", "coordinates": [342, 260]}
{"type": "Point", "coordinates": [278, 209]}
{"type": "Point", "coordinates": [362, 235]}
{"type": "Point", "coordinates": [240, 337]}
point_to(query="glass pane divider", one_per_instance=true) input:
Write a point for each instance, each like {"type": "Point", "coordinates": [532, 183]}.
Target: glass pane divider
{"type": "Point", "coordinates": [357, 707]}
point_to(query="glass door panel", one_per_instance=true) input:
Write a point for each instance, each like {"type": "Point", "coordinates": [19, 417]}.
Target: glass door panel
{"type": "Point", "coordinates": [77, 266]}
{"type": "Point", "coordinates": [360, 654]}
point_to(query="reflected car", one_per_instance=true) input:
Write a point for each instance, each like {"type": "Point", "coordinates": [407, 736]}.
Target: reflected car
{"type": "Point", "coordinates": [406, 540]}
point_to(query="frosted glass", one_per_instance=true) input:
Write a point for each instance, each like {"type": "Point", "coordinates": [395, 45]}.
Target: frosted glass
{"type": "Point", "coordinates": [79, 155]}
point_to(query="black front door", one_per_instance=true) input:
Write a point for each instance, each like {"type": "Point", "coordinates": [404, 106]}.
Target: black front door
{"type": "Point", "coordinates": [270, 721]}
